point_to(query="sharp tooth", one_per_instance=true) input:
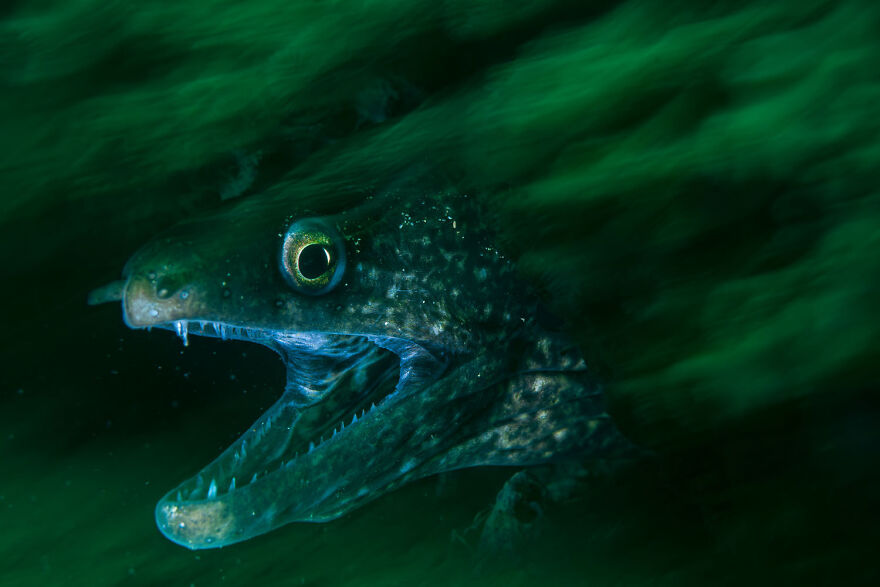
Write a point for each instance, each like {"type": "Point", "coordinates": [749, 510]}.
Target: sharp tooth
{"type": "Point", "coordinates": [179, 496]}
{"type": "Point", "coordinates": [180, 327]}
{"type": "Point", "coordinates": [354, 418]}
{"type": "Point", "coordinates": [222, 330]}
{"type": "Point", "coordinates": [372, 406]}
{"type": "Point", "coordinates": [243, 448]}
{"type": "Point", "coordinates": [311, 446]}
{"type": "Point", "coordinates": [342, 426]}
{"type": "Point", "coordinates": [254, 478]}
{"type": "Point", "coordinates": [212, 489]}
{"type": "Point", "coordinates": [232, 485]}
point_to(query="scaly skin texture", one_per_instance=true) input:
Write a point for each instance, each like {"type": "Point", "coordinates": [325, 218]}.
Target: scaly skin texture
{"type": "Point", "coordinates": [427, 356]}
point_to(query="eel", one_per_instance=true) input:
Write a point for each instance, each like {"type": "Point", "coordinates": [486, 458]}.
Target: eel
{"type": "Point", "coordinates": [411, 346]}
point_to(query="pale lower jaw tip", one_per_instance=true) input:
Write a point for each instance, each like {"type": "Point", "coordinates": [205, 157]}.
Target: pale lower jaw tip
{"type": "Point", "coordinates": [195, 526]}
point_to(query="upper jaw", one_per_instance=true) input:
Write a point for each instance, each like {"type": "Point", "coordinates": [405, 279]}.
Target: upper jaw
{"type": "Point", "coordinates": [216, 329]}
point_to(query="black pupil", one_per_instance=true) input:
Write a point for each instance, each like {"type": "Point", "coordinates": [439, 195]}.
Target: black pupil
{"type": "Point", "coordinates": [313, 261]}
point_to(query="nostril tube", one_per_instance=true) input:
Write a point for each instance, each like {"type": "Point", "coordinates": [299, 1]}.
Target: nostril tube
{"type": "Point", "coordinates": [112, 292]}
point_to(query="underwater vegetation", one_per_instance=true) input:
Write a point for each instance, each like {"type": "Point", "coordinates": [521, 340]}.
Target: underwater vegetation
{"type": "Point", "coordinates": [685, 190]}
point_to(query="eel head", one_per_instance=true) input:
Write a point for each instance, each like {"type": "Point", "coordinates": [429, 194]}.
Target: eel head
{"type": "Point", "coordinates": [409, 345]}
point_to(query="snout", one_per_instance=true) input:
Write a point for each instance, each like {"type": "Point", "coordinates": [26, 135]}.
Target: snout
{"type": "Point", "coordinates": [157, 298]}
{"type": "Point", "coordinates": [158, 286]}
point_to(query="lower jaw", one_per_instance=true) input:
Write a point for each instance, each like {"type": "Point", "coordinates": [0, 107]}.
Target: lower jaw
{"type": "Point", "coordinates": [313, 409]}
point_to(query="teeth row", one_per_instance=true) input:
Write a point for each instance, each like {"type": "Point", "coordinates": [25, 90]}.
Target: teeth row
{"type": "Point", "coordinates": [354, 419]}
{"type": "Point", "coordinates": [214, 490]}
{"type": "Point", "coordinates": [224, 331]}
{"type": "Point", "coordinates": [239, 455]}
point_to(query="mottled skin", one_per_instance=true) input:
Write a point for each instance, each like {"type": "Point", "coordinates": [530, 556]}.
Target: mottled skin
{"type": "Point", "coordinates": [428, 321]}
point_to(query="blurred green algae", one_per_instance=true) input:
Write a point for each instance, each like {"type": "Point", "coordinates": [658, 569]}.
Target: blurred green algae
{"type": "Point", "coordinates": [692, 186]}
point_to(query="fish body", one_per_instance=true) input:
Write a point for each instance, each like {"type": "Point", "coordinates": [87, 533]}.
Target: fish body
{"type": "Point", "coordinates": [411, 345]}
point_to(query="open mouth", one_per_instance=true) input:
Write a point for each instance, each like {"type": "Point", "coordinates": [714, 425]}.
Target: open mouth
{"type": "Point", "coordinates": [336, 383]}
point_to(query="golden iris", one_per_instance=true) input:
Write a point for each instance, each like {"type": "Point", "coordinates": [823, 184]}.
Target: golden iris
{"type": "Point", "coordinates": [311, 257]}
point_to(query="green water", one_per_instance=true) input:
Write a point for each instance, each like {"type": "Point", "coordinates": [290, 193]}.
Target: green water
{"type": "Point", "coordinates": [692, 186]}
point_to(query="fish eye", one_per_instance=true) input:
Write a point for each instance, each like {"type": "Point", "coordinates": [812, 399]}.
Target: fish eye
{"type": "Point", "coordinates": [312, 256]}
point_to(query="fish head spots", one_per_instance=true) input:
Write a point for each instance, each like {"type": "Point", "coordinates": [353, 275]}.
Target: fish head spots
{"type": "Point", "coordinates": [312, 257]}
{"type": "Point", "coordinates": [163, 283]}
{"type": "Point", "coordinates": [169, 284]}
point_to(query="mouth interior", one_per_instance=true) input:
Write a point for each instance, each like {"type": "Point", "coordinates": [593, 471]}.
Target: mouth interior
{"type": "Point", "coordinates": [334, 382]}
